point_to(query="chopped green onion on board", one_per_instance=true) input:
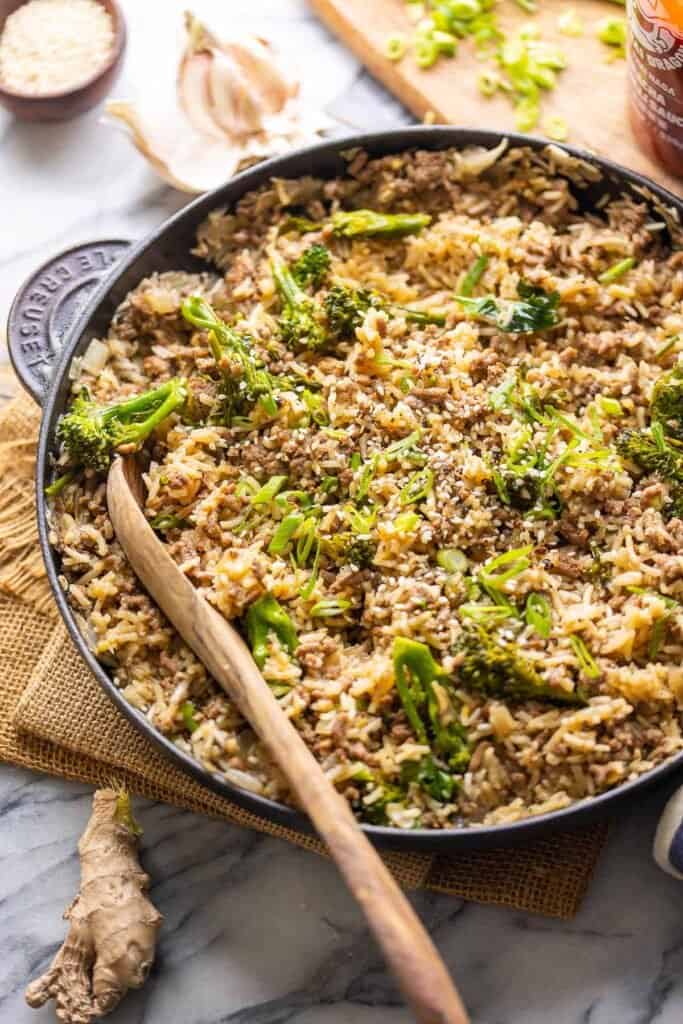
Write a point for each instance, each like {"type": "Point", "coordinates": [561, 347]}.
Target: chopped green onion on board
{"type": "Point", "coordinates": [396, 47]}
{"type": "Point", "coordinates": [612, 32]}
{"type": "Point", "coordinates": [556, 128]}
{"type": "Point", "coordinates": [524, 66]}
{"type": "Point", "coordinates": [569, 23]}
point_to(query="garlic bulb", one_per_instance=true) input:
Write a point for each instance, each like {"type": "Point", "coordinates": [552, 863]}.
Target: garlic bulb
{"type": "Point", "coordinates": [234, 106]}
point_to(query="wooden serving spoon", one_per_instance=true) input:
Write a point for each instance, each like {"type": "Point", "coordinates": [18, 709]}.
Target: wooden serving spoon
{"type": "Point", "coordinates": [421, 973]}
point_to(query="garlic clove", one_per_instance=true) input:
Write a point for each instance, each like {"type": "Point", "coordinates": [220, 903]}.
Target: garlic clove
{"type": "Point", "coordinates": [234, 108]}
{"type": "Point", "coordinates": [146, 142]}
{"type": "Point", "coordinates": [182, 157]}
{"type": "Point", "coordinates": [194, 92]}
{"type": "Point", "coordinates": [199, 37]}
{"type": "Point", "coordinates": [256, 59]}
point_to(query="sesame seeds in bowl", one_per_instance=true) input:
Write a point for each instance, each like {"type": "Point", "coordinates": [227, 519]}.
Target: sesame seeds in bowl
{"type": "Point", "coordinates": [58, 58]}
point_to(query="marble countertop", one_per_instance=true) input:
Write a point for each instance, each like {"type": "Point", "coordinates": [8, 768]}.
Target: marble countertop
{"type": "Point", "coordinates": [255, 931]}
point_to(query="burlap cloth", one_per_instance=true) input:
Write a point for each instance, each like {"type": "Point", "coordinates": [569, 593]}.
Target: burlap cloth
{"type": "Point", "coordinates": [55, 718]}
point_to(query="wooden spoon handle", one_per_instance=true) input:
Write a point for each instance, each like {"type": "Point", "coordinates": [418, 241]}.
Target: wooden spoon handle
{"type": "Point", "coordinates": [407, 947]}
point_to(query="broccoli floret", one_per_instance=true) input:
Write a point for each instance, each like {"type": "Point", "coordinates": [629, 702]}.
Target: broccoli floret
{"type": "Point", "coordinates": [649, 450]}
{"type": "Point", "coordinates": [312, 267]}
{"type": "Point", "coordinates": [361, 552]}
{"type": "Point", "coordinates": [426, 695]}
{"type": "Point", "coordinates": [520, 490]}
{"type": "Point", "coordinates": [92, 433]}
{"type": "Point", "coordinates": [496, 669]}
{"type": "Point", "coordinates": [666, 406]}
{"type": "Point", "coordinates": [536, 310]}
{"type": "Point", "coordinates": [653, 453]}
{"type": "Point", "coordinates": [345, 308]}
{"type": "Point", "coordinates": [228, 347]}
{"type": "Point", "coordinates": [300, 320]}
{"type": "Point", "coordinates": [346, 547]}
{"type": "Point", "coordinates": [371, 224]}
{"type": "Point", "coordinates": [376, 812]}
{"type": "Point", "coordinates": [659, 449]}
{"type": "Point", "coordinates": [362, 224]}
{"type": "Point", "coordinates": [434, 780]}
{"type": "Point", "coordinates": [530, 492]}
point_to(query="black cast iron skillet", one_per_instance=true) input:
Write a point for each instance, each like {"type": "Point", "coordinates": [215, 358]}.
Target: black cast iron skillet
{"type": "Point", "coordinates": [71, 299]}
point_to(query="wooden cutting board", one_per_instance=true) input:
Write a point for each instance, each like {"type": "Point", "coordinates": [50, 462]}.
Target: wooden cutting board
{"type": "Point", "coordinates": [590, 95]}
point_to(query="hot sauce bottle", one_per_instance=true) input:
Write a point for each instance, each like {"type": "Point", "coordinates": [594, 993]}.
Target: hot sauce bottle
{"type": "Point", "coordinates": [655, 79]}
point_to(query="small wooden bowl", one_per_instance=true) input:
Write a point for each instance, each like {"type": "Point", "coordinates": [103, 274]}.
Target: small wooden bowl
{"type": "Point", "coordinates": [60, 106]}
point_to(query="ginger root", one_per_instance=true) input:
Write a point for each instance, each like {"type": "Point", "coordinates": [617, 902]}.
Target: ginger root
{"type": "Point", "coordinates": [109, 947]}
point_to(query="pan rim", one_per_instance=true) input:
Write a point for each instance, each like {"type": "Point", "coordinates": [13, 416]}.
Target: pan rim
{"type": "Point", "coordinates": [393, 140]}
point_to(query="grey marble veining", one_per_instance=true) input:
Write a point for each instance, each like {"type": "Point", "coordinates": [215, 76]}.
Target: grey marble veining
{"type": "Point", "coordinates": [255, 931]}
{"type": "Point", "coordinates": [258, 932]}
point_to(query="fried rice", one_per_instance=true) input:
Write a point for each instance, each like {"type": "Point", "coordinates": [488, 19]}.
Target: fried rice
{"type": "Point", "coordinates": [602, 559]}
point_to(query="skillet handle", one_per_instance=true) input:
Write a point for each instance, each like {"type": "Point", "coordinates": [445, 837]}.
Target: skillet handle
{"type": "Point", "coordinates": [48, 303]}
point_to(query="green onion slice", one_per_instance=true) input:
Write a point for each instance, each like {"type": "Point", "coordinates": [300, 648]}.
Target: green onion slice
{"type": "Point", "coordinates": [538, 614]}
{"type": "Point", "coordinates": [419, 486]}
{"type": "Point", "coordinates": [306, 540]}
{"type": "Point", "coordinates": [666, 347]}
{"type": "Point", "coordinates": [617, 270]}
{"type": "Point", "coordinates": [284, 532]}
{"type": "Point", "coordinates": [330, 607]}
{"type": "Point", "coordinates": [587, 662]}
{"type": "Point", "coordinates": [58, 485]}
{"type": "Point", "coordinates": [361, 520]}
{"type": "Point", "coordinates": [395, 47]}
{"type": "Point", "coordinates": [556, 128]}
{"type": "Point", "coordinates": [502, 568]}
{"type": "Point", "coordinates": [266, 493]}
{"type": "Point", "coordinates": [309, 586]}
{"type": "Point", "coordinates": [168, 521]}
{"type": "Point", "coordinates": [473, 275]}
{"type": "Point", "coordinates": [406, 522]}
{"type": "Point", "coordinates": [452, 560]}
{"type": "Point", "coordinates": [611, 406]}
{"type": "Point", "coordinates": [569, 23]}
{"type": "Point", "coordinates": [187, 710]}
